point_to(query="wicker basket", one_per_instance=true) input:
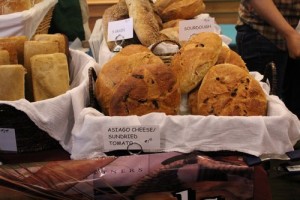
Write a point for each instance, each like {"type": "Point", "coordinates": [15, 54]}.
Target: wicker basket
{"type": "Point", "coordinates": [44, 26]}
{"type": "Point", "coordinates": [166, 57]}
{"type": "Point", "coordinates": [29, 137]}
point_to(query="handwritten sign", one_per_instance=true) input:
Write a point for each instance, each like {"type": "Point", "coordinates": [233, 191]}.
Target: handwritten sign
{"type": "Point", "coordinates": [120, 30]}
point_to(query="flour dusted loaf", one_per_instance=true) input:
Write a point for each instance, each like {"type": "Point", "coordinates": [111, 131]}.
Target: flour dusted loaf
{"type": "Point", "coordinates": [50, 75]}
{"type": "Point", "coordinates": [145, 21]}
{"type": "Point", "coordinates": [229, 90]}
{"type": "Point", "coordinates": [116, 69]}
{"type": "Point", "coordinates": [149, 88]}
{"type": "Point", "coordinates": [195, 58]}
{"type": "Point", "coordinates": [12, 79]}
{"type": "Point", "coordinates": [179, 9]}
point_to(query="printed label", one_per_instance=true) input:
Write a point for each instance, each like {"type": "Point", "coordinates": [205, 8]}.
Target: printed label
{"type": "Point", "coordinates": [187, 28]}
{"type": "Point", "coordinates": [8, 139]}
{"type": "Point", "coordinates": [120, 30]}
{"type": "Point", "coordinates": [131, 138]}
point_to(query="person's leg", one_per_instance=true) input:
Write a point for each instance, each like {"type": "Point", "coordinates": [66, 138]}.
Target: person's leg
{"type": "Point", "coordinates": [291, 95]}
{"type": "Point", "coordinates": [257, 52]}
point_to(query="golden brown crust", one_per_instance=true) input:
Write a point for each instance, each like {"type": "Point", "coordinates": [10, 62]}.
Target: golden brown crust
{"type": "Point", "coordinates": [149, 88]}
{"type": "Point", "coordinates": [195, 58]}
{"type": "Point", "coordinates": [4, 57]}
{"type": "Point", "coordinates": [18, 46]}
{"type": "Point", "coordinates": [179, 9]}
{"type": "Point", "coordinates": [15, 6]}
{"type": "Point", "coordinates": [11, 47]}
{"type": "Point", "coordinates": [116, 69]}
{"type": "Point", "coordinates": [228, 90]}
{"type": "Point", "coordinates": [145, 23]}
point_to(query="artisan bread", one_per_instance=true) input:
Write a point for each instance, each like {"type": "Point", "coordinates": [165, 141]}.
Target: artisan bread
{"type": "Point", "coordinates": [4, 57]}
{"type": "Point", "coordinates": [227, 55]}
{"type": "Point", "coordinates": [61, 39]}
{"type": "Point", "coordinates": [116, 12]}
{"type": "Point", "coordinates": [229, 90]}
{"type": "Point", "coordinates": [179, 9]}
{"type": "Point", "coordinates": [145, 23]}
{"type": "Point", "coordinates": [195, 58]}
{"type": "Point", "coordinates": [116, 69]}
{"type": "Point", "coordinates": [12, 81]}
{"type": "Point", "coordinates": [11, 47]}
{"type": "Point", "coordinates": [50, 75]}
{"type": "Point", "coordinates": [32, 48]}
{"type": "Point", "coordinates": [149, 88]}
{"type": "Point", "coordinates": [13, 6]}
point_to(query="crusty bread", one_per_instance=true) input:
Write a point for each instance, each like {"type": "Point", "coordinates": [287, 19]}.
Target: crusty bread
{"type": "Point", "coordinates": [4, 57]}
{"type": "Point", "coordinates": [149, 88]}
{"type": "Point", "coordinates": [172, 33]}
{"type": "Point", "coordinates": [11, 47]}
{"type": "Point", "coordinates": [12, 81]}
{"type": "Point", "coordinates": [61, 39]}
{"type": "Point", "coordinates": [179, 9]}
{"type": "Point", "coordinates": [145, 23]}
{"type": "Point", "coordinates": [32, 48]}
{"type": "Point", "coordinates": [227, 55]}
{"type": "Point", "coordinates": [15, 6]}
{"type": "Point", "coordinates": [195, 58]}
{"type": "Point", "coordinates": [229, 90]}
{"type": "Point", "coordinates": [50, 75]}
{"type": "Point", "coordinates": [172, 23]}
{"type": "Point", "coordinates": [116, 12]}
{"type": "Point", "coordinates": [116, 69]}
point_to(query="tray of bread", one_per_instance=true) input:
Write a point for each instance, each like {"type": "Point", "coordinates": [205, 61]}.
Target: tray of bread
{"type": "Point", "coordinates": [25, 17]}
{"type": "Point", "coordinates": [44, 85]}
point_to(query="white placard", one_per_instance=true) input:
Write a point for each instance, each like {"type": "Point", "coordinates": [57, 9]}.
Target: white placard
{"type": "Point", "coordinates": [187, 28]}
{"type": "Point", "coordinates": [8, 139]}
{"type": "Point", "coordinates": [119, 30]}
{"type": "Point", "coordinates": [131, 138]}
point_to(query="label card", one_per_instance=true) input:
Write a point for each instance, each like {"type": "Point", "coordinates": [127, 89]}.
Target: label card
{"type": "Point", "coordinates": [131, 138]}
{"type": "Point", "coordinates": [187, 28]}
{"type": "Point", "coordinates": [8, 139]}
{"type": "Point", "coordinates": [120, 30]}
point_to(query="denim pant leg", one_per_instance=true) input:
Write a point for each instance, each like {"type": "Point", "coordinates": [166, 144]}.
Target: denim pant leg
{"type": "Point", "coordinates": [257, 52]}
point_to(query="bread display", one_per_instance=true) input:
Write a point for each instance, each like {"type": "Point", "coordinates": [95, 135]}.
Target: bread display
{"type": "Point", "coordinates": [116, 69]}
{"type": "Point", "coordinates": [4, 57]}
{"type": "Point", "coordinates": [12, 78]}
{"type": "Point", "coordinates": [149, 88]}
{"type": "Point", "coordinates": [195, 58]}
{"type": "Point", "coordinates": [179, 9]}
{"type": "Point", "coordinates": [50, 75]}
{"type": "Point", "coordinates": [229, 90]}
{"type": "Point", "coordinates": [145, 22]}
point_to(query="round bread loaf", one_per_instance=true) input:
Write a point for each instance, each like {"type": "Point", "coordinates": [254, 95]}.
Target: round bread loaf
{"type": "Point", "coordinates": [116, 69]}
{"type": "Point", "coordinates": [149, 88]}
{"type": "Point", "coordinates": [195, 58]}
{"type": "Point", "coordinates": [228, 90]}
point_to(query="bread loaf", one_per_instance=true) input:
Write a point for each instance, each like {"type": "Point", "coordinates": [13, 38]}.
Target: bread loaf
{"type": "Point", "coordinates": [149, 88]}
{"type": "Point", "coordinates": [17, 45]}
{"type": "Point", "coordinates": [11, 47]}
{"type": "Point", "coordinates": [229, 90]}
{"type": "Point", "coordinates": [195, 58]}
{"type": "Point", "coordinates": [4, 57]}
{"type": "Point", "coordinates": [50, 75]}
{"type": "Point", "coordinates": [145, 22]}
{"type": "Point", "coordinates": [13, 6]}
{"type": "Point", "coordinates": [116, 69]}
{"type": "Point", "coordinates": [32, 48]}
{"type": "Point", "coordinates": [179, 9]}
{"type": "Point", "coordinates": [12, 81]}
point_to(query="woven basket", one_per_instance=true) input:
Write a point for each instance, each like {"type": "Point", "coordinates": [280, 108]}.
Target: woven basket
{"type": "Point", "coordinates": [29, 137]}
{"type": "Point", "coordinates": [166, 57]}
{"type": "Point", "coordinates": [44, 26]}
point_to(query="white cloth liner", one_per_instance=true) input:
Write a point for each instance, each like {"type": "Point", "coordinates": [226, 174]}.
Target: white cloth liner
{"type": "Point", "coordinates": [25, 22]}
{"type": "Point", "coordinates": [56, 116]}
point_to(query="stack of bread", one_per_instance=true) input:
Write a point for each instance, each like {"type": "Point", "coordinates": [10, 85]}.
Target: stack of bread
{"type": "Point", "coordinates": [213, 77]}
{"type": "Point", "coordinates": [35, 69]}
{"type": "Point", "coordinates": [12, 6]}
{"type": "Point", "coordinates": [152, 22]}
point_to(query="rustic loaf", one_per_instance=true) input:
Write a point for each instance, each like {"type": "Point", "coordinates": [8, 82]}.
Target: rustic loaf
{"type": "Point", "coordinates": [195, 58]}
{"type": "Point", "coordinates": [229, 90]}
{"type": "Point", "coordinates": [13, 6]}
{"type": "Point", "coordinates": [116, 69]}
{"type": "Point", "coordinates": [149, 88]}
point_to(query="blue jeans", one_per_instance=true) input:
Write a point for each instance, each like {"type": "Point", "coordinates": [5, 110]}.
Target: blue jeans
{"type": "Point", "coordinates": [257, 52]}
